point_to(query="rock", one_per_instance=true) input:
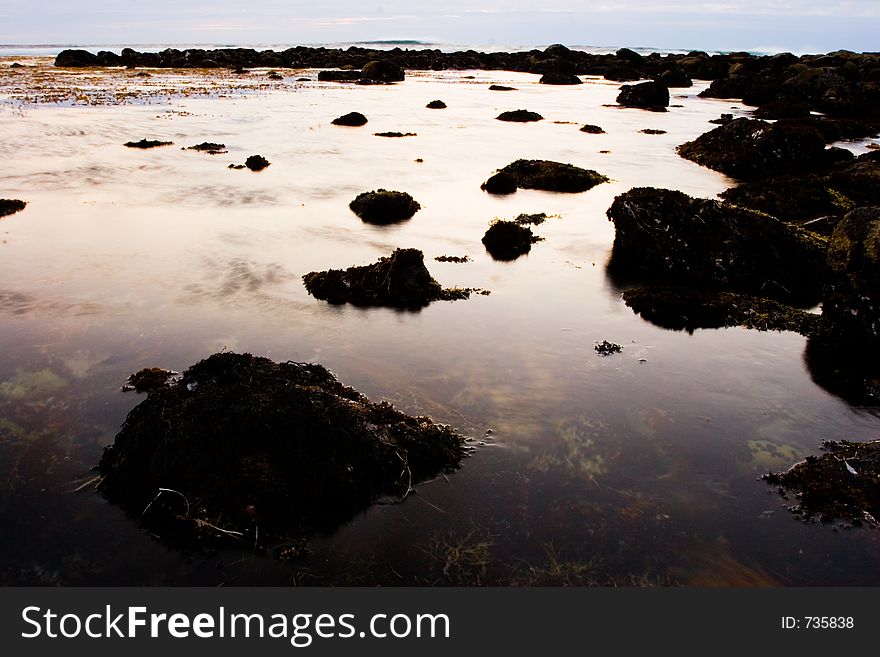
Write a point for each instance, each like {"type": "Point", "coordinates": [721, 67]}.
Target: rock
{"type": "Point", "coordinates": [384, 207]}
{"type": "Point", "coordinates": [618, 73]}
{"type": "Point", "coordinates": [353, 119]}
{"type": "Point", "coordinates": [275, 76]}
{"type": "Point", "coordinates": [679, 308]}
{"type": "Point", "coordinates": [508, 240]}
{"type": "Point", "coordinates": [339, 76]}
{"type": "Point", "coordinates": [147, 143]}
{"type": "Point", "coordinates": [519, 116]}
{"type": "Point", "coordinates": [748, 148]}
{"type": "Point", "coordinates": [842, 484]}
{"type": "Point", "coordinates": [560, 78]}
{"type": "Point", "coordinates": [256, 163]}
{"type": "Point", "coordinates": [630, 56]}
{"type": "Point", "coordinates": [782, 109]}
{"type": "Point", "coordinates": [652, 96]}
{"type": "Point", "coordinates": [652, 131]}
{"type": "Point", "coordinates": [208, 147]}
{"type": "Point", "coordinates": [11, 206]}
{"type": "Point", "coordinates": [382, 71]}
{"type": "Point", "coordinates": [501, 183]}
{"type": "Point", "coordinates": [675, 77]}
{"type": "Point", "coordinates": [149, 379]}
{"type": "Point", "coordinates": [592, 129]}
{"type": "Point", "coordinates": [400, 280]}
{"type": "Point", "coordinates": [436, 104]}
{"type": "Point", "coordinates": [724, 119]}
{"type": "Point", "coordinates": [500, 87]}
{"type": "Point", "coordinates": [675, 238]}
{"type": "Point", "coordinates": [395, 134]}
{"type": "Point", "coordinates": [241, 442]}
{"type": "Point", "coordinates": [76, 59]}
{"type": "Point", "coordinates": [455, 259]}
{"type": "Point", "coordinates": [545, 175]}
{"type": "Point", "coordinates": [606, 348]}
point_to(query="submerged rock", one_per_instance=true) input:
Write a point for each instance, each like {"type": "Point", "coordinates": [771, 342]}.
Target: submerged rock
{"type": "Point", "coordinates": [382, 71]}
{"type": "Point", "coordinates": [400, 280]}
{"type": "Point", "coordinates": [436, 104]}
{"type": "Point", "coordinates": [148, 143]}
{"type": "Point", "coordinates": [652, 131]}
{"type": "Point", "coordinates": [652, 95]}
{"type": "Point", "coordinates": [748, 148]}
{"type": "Point", "coordinates": [842, 484]}
{"type": "Point", "coordinates": [11, 206]}
{"type": "Point", "coordinates": [209, 147]}
{"type": "Point", "coordinates": [519, 116]}
{"type": "Point", "coordinates": [246, 449]}
{"type": "Point", "coordinates": [508, 240]}
{"type": "Point", "coordinates": [545, 175]}
{"type": "Point", "coordinates": [687, 309]}
{"type": "Point", "coordinates": [671, 236]}
{"type": "Point", "coordinates": [353, 119]}
{"type": "Point", "coordinates": [384, 207]}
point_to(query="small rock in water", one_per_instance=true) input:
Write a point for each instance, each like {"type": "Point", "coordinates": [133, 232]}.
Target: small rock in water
{"type": "Point", "coordinates": [519, 116]}
{"type": "Point", "coordinates": [147, 143]}
{"type": "Point", "coordinates": [606, 348]}
{"type": "Point", "coordinates": [352, 119]}
{"type": "Point", "coordinates": [436, 104]}
{"type": "Point", "coordinates": [256, 163]}
{"type": "Point", "coordinates": [592, 129]}
{"type": "Point", "coordinates": [148, 379]}
{"type": "Point", "coordinates": [11, 206]}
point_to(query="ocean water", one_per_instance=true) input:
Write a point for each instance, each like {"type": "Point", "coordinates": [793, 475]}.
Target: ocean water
{"type": "Point", "coordinates": [640, 468]}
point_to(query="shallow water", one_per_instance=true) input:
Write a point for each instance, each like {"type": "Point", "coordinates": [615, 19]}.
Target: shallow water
{"type": "Point", "coordinates": [637, 469]}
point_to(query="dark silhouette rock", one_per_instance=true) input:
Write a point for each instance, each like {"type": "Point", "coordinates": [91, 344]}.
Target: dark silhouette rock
{"type": "Point", "coordinates": [675, 78]}
{"type": "Point", "coordinates": [508, 240]}
{"type": "Point", "coordinates": [395, 134]}
{"type": "Point", "coordinates": [353, 119]}
{"type": "Point", "coordinates": [653, 96]}
{"type": "Point", "coordinates": [436, 104]}
{"type": "Point", "coordinates": [560, 78]}
{"type": "Point", "coordinates": [500, 87]}
{"type": "Point", "coordinates": [148, 143]}
{"type": "Point", "coordinates": [652, 131]}
{"type": "Point", "coordinates": [11, 206]}
{"type": "Point", "coordinates": [384, 207]}
{"type": "Point", "coordinates": [500, 183]}
{"type": "Point", "coordinates": [545, 175]}
{"type": "Point", "coordinates": [782, 109]}
{"type": "Point", "coordinates": [519, 116]}
{"type": "Point", "coordinates": [748, 148]}
{"type": "Point", "coordinates": [209, 147]}
{"type": "Point", "coordinates": [592, 129]}
{"type": "Point", "coordinates": [339, 76]}
{"type": "Point", "coordinates": [256, 163]}
{"type": "Point", "coordinates": [675, 238]}
{"type": "Point", "coordinates": [382, 71]}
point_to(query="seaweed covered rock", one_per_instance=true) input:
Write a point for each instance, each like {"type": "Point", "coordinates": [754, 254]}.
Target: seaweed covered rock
{"type": "Point", "coordinates": [11, 206]}
{"type": "Point", "coordinates": [500, 183]}
{"type": "Point", "coordinates": [148, 379]}
{"type": "Point", "coordinates": [508, 240]}
{"type": "Point", "coordinates": [545, 175]}
{"type": "Point", "coordinates": [591, 129]}
{"type": "Point", "coordinates": [842, 484]}
{"type": "Point", "coordinates": [686, 309]}
{"type": "Point", "coordinates": [241, 443]}
{"type": "Point", "coordinates": [560, 78]}
{"type": "Point", "coordinates": [147, 143]}
{"type": "Point", "coordinates": [674, 237]}
{"type": "Point", "coordinates": [400, 280]}
{"type": "Point", "coordinates": [384, 207]}
{"type": "Point", "coordinates": [651, 95]}
{"type": "Point", "coordinates": [382, 71]}
{"type": "Point", "coordinates": [212, 148]}
{"type": "Point", "coordinates": [352, 119]}
{"type": "Point", "coordinates": [749, 149]}
{"type": "Point", "coordinates": [519, 116]}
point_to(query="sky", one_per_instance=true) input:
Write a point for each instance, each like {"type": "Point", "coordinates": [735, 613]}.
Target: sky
{"type": "Point", "coordinates": [757, 25]}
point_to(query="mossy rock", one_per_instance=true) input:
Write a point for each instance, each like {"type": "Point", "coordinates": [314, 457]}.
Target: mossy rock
{"type": "Point", "coordinates": [519, 116]}
{"type": "Point", "coordinates": [251, 450]}
{"type": "Point", "coordinates": [400, 280]}
{"type": "Point", "coordinates": [11, 206]}
{"type": "Point", "coordinates": [508, 240]}
{"type": "Point", "coordinates": [544, 175]}
{"type": "Point", "coordinates": [352, 119]}
{"type": "Point", "coordinates": [675, 238]}
{"type": "Point", "coordinates": [686, 309]}
{"type": "Point", "coordinates": [843, 484]}
{"type": "Point", "coordinates": [384, 207]}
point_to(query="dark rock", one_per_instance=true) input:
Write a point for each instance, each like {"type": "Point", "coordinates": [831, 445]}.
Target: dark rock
{"type": "Point", "coordinates": [500, 183]}
{"type": "Point", "coordinates": [256, 163]}
{"type": "Point", "coordinates": [678, 309]}
{"type": "Point", "coordinates": [353, 119]}
{"type": "Point", "coordinates": [208, 147]}
{"type": "Point", "coordinates": [675, 77]}
{"type": "Point", "coordinates": [652, 95]}
{"type": "Point", "coordinates": [241, 443]}
{"type": "Point", "coordinates": [500, 87]}
{"type": "Point", "coordinates": [592, 129]}
{"type": "Point", "coordinates": [395, 134]}
{"type": "Point", "coordinates": [724, 119]}
{"type": "Point", "coordinates": [652, 131]}
{"type": "Point", "coordinates": [76, 59]}
{"type": "Point", "coordinates": [519, 116]}
{"type": "Point", "coordinates": [558, 50]}
{"type": "Point", "coordinates": [11, 206]}
{"type": "Point", "coordinates": [508, 240]}
{"type": "Point", "coordinates": [531, 219]}
{"type": "Point", "coordinates": [606, 348]}
{"type": "Point", "coordinates": [303, 80]}
{"type": "Point", "coordinates": [618, 73]}
{"type": "Point", "coordinates": [149, 379]}
{"type": "Point", "coordinates": [400, 280]}
{"type": "Point", "coordinates": [782, 109]}
{"type": "Point", "coordinates": [747, 148]}
{"type": "Point", "coordinates": [843, 484]}
{"type": "Point", "coordinates": [672, 237]}
{"type": "Point", "coordinates": [455, 259]}
{"type": "Point", "coordinates": [275, 76]}
{"type": "Point", "coordinates": [147, 143]}
{"type": "Point", "coordinates": [382, 71]}
{"type": "Point", "coordinates": [339, 76]}
{"type": "Point", "coordinates": [384, 207]}
{"type": "Point", "coordinates": [630, 56]}
{"type": "Point", "coordinates": [436, 104]}
{"type": "Point", "coordinates": [560, 77]}
{"type": "Point", "coordinates": [545, 175]}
